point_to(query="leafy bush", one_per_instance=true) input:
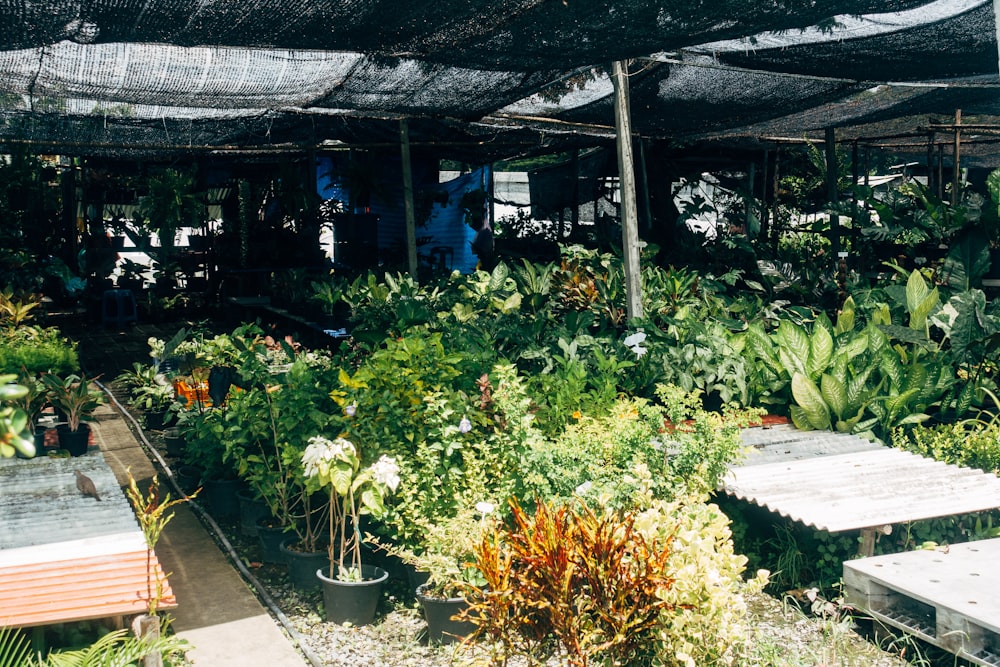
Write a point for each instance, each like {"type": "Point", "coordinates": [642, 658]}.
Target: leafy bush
{"type": "Point", "coordinates": [37, 350]}
{"type": "Point", "coordinates": [708, 622]}
{"type": "Point", "coordinates": [657, 587]}
{"type": "Point", "coordinates": [971, 443]}
{"type": "Point", "coordinates": [574, 581]}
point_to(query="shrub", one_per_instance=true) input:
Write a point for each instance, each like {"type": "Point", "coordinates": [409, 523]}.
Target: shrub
{"type": "Point", "coordinates": [574, 581]}
{"type": "Point", "coordinates": [657, 587]}
{"type": "Point", "coordinates": [974, 444]}
{"type": "Point", "coordinates": [706, 619]}
{"type": "Point", "coordinates": [37, 350]}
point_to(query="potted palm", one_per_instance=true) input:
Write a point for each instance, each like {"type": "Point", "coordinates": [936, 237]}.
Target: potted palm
{"type": "Point", "coordinates": [351, 590]}
{"type": "Point", "coordinates": [73, 397]}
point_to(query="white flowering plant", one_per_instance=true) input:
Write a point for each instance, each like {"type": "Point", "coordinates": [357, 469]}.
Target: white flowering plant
{"type": "Point", "coordinates": [336, 466]}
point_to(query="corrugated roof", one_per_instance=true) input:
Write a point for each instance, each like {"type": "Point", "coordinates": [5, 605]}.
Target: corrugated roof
{"type": "Point", "coordinates": [835, 483]}
{"type": "Point", "coordinates": [787, 443]}
{"type": "Point", "coordinates": [65, 556]}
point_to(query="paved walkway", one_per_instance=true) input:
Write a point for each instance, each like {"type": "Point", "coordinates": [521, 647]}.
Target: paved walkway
{"type": "Point", "coordinates": [217, 612]}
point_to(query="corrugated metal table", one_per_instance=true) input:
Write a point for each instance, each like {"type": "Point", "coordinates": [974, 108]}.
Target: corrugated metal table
{"type": "Point", "coordinates": [838, 482]}
{"type": "Point", "coordinates": [67, 557]}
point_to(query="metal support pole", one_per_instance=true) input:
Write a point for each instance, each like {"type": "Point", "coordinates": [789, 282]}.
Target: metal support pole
{"type": "Point", "coordinates": [831, 190]}
{"type": "Point", "coordinates": [956, 167]}
{"type": "Point", "coordinates": [411, 226]}
{"type": "Point", "coordinates": [626, 170]}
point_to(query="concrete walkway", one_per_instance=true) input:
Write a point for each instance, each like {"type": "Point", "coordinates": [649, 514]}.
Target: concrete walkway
{"type": "Point", "coordinates": [217, 612]}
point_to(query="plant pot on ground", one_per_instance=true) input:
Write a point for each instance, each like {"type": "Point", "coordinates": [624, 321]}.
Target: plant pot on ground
{"type": "Point", "coordinates": [73, 397]}
{"type": "Point", "coordinates": [302, 565]}
{"type": "Point", "coordinates": [174, 441]}
{"type": "Point", "coordinates": [354, 602]}
{"type": "Point", "coordinates": [443, 624]}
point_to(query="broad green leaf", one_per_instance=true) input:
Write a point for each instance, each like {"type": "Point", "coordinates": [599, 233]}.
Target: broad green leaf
{"type": "Point", "coordinates": [793, 347]}
{"type": "Point", "coordinates": [498, 277]}
{"type": "Point", "coordinates": [877, 341]}
{"type": "Point", "coordinates": [512, 303]}
{"type": "Point", "coordinates": [916, 290]}
{"type": "Point", "coordinates": [857, 389]}
{"type": "Point", "coordinates": [881, 315]}
{"type": "Point", "coordinates": [820, 351]}
{"type": "Point", "coordinates": [845, 318]}
{"type": "Point", "coordinates": [899, 402]}
{"type": "Point", "coordinates": [965, 398]}
{"type": "Point", "coordinates": [855, 345]}
{"type": "Point", "coordinates": [809, 398]}
{"type": "Point", "coordinates": [966, 313]}
{"type": "Point", "coordinates": [799, 418]}
{"type": "Point", "coordinates": [915, 418]}
{"type": "Point", "coordinates": [916, 377]}
{"type": "Point", "coordinates": [920, 300]}
{"type": "Point", "coordinates": [340, 476]}
{"type": "Point", "coordinates": [835, 394]}
{"type": "Point", "coordinates": [967, 261]}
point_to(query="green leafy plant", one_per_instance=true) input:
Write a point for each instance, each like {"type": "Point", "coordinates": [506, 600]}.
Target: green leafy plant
{"type": "Point", "coordinates": [335, 465]}
{"type": "Point", "coordinates": [15, 425]}
{"type": "Point", "coordinates": [34, 400]}
{"type": "Point", "coordinates": [73, 395]}
{"type": "Point", "coordinates": [36, 350]}
{"type": "Point", "coordinates": [446, 552]}
{"type": "Point", "coordinates": [267, 426]}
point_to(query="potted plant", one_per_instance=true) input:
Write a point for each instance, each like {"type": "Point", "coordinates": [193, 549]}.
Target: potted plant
{"type": "Point", "coordinates": [131, 275]}
{"type": "Point", "coordinates": [351, 590]}
{"type": "Point", "coordinates": [149, 391]}
{"type": "Point", "coordinates": [14, 425]}
{"type": "Point", "coordinates": [447, 562]}
{"type": "Point", "coordinates": [76, 401]}
{"type": "Point", "coordinates": [32, 402]}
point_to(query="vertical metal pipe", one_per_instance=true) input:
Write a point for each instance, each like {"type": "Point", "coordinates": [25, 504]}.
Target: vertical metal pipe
{"type": "Point", "coordinates": [411, 227]}
{"type": "Point", "coordinates": [626, 169]}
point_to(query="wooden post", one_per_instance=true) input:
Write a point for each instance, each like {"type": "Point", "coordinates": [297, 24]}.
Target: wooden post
{"type": "Point", "coordinates": [931, 185]}
{"type": "Point", "coordinates": [956, 169]}
{"type": "Point", "coordinates": [647, 205]}
{"type": "Point", "coordinates": [996, 21]}
{"type": "Point", "coordinates": [574, 214]}
{"type": "Point", "coordinates": [630, 222]}
{"type": "Point", "coordinates": [411, 225]}
{"type": "Point", "coordinates": [832, 195]}
{"type": "Point", "coordinates": [147, 627]}
{"type": "Point", "coordinates": [940, 171]}
{"type": "Point", "coordinates": [765, 208]}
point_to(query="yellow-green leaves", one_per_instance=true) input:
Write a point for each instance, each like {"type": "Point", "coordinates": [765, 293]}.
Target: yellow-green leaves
{"type": "Point", "coordinates": [920, 301]}
{"type": "Point", "coordinates": [811, 412]}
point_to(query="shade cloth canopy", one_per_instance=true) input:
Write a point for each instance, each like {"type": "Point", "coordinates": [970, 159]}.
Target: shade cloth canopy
{"type": "Point", "coordinates": [485, 79]}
